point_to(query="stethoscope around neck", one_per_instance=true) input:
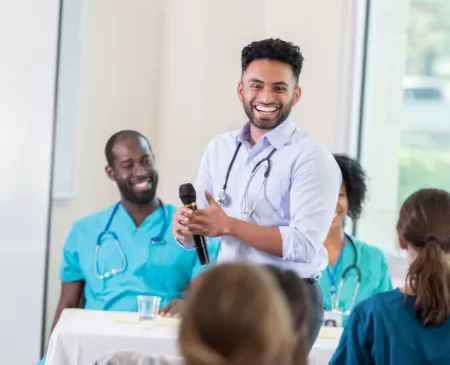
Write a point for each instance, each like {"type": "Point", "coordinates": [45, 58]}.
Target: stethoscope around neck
{"type": "Point", "coordinates": [336, 296]}
{"type": "Point", "coordinates": [157, 240]}
{"type": "Point", "coordinates": [224, 200]}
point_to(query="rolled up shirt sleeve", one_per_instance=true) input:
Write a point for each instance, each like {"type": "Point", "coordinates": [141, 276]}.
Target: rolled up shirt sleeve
{"type": "Point", "coordinates": [313, 197]}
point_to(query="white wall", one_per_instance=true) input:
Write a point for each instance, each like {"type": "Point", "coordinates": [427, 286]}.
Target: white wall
{"type": "Point", "coordinates": [169, 68]}
{"type": "Point", "coordinates": [28, 41]}
{"type": "Point", "coordinates": [118, 89]}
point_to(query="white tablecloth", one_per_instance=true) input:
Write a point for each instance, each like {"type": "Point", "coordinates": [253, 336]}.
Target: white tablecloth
{"type": "Point", "coordinates": [82, 337]}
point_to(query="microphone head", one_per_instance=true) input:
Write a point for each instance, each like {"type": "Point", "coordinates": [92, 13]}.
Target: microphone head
{"type": "Point", "coordinates": [187, 194]}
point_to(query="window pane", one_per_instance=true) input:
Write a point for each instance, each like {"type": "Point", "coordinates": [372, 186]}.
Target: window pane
{"type": "Point", "coordinates": [406, 132]}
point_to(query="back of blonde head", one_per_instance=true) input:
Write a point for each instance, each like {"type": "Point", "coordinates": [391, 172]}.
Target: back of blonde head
{"type": "Point", "coordinates": [236, 316]}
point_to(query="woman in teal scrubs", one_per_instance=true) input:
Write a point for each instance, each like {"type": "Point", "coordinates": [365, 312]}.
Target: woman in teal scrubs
{"type": "Point", "coordinates": [410, 325]}
{"type": "Point", "coordinates": [345, 250]}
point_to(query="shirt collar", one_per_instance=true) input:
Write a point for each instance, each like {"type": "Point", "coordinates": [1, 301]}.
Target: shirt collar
{"type": "Point", "coordinates": [277, 137]}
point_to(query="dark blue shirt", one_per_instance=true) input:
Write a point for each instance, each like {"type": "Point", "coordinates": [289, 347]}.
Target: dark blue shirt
{"type": "Point", "coordinates": [384, 330]}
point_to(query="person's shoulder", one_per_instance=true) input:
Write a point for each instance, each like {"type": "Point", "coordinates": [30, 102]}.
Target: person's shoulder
{"type": "Point", "coordinates": [375, 312]}
{"type": "Point", "coordinates": [93, 219]}
{"type": "Point", "coordinates": [224, 138]}
{"type": "Point", "coordinates": [380, 304]}
{"type": "Point", "coordinates": [309, 148]}
{"type": "Point", "coordinates": [170, 209]}
{"type": "Point", "coordinates": [366, 246]}
{"type": "Point", "coordinates": [368, 249]}
{"type": "Point", "coordinates": [307, 142]}
{"type": "Point", "coordinates": [388, 297]}
{"type": "Point", "coordinates": [308, 154]}
{"type": "Point", "coordinates": [221, 144]}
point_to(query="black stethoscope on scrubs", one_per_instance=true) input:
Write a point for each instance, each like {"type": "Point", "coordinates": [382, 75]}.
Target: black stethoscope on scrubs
{"type": "Point", "coordinates": [335, 296]}
{"type": "Point", "coordinates": [223, 198]}
{"type": "Point", "coordinates": [158, 240]}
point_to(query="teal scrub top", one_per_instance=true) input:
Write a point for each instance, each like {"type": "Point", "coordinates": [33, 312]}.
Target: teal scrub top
{"type": "Point", "coordinates": [374, 270]}
{"type": "Point", "coordinates": [384, 329]}
{"type": "Point", "coordinates": [162, 270]}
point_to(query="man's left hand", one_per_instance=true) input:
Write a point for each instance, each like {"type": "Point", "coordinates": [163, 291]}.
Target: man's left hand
{"type": "Point", "coordinates": [172, 309]}
{"type": "Point", "coordinates": [209, 222]}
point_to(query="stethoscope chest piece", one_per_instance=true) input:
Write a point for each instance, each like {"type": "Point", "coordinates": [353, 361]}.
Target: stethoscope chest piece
{"type": "Point", "coordinates": [157, 241]}
{"type": "Point", "coordinates": [223, 199]}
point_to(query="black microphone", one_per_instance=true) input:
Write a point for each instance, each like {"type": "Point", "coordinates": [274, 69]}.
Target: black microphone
{"type": "Point", "coordinates": [188, 196]}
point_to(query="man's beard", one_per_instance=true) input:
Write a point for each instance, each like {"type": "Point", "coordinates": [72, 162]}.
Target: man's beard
{"type": "Point", "coordinates": [249, 111]}
{"type": "Point", "coordinates": [141, 198]}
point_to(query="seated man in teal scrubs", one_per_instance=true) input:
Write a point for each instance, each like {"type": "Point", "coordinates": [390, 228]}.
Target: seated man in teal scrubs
{"type": "Point", "coordinates": [345, 250]}
{"type": "Point", "coordinates": [128, 249]}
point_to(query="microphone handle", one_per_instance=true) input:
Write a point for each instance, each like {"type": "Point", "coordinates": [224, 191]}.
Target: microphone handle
{"type": "Point", "coordinates": [202, 251]}
{"type": "Point", "coordinates": [200, 242]}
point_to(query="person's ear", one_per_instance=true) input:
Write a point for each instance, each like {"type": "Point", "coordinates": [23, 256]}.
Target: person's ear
{"type": "Point", "coordinates": [240, 91]}
{"type": "Point", "coordinates": [110, 172]}
{"type": "Point", "coordinates": [401, 242]}
{"type": "Point", "coordinates": [297, 95]}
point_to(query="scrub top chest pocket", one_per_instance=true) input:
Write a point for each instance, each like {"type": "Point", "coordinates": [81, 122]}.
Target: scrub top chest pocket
{"type": "Point", "coordinates": [169, 270]}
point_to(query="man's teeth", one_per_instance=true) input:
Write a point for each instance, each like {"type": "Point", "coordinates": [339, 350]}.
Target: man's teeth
{"type": "Point", "coordinates": [142, 185]}
{"type": "Point", "coordinates": [265, 109]}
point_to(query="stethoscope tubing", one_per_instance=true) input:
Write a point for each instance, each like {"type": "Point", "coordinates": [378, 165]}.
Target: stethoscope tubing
{"type": "Point", "coordinates": [353, 266]}
{"type": "Point", "coordinates": [158, 240]}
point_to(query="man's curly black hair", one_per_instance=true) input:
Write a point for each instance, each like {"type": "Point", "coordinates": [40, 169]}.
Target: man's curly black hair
{"type": "Point", "coordinates": [354, 178]}
{"type": "Point", "coordinates": [273, 49]}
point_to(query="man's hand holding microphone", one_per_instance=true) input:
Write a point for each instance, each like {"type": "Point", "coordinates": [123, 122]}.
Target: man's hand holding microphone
{"type": "Point", "coordinates": [191, 226]}
{"type": "Point", "coordinates": [209, 222]}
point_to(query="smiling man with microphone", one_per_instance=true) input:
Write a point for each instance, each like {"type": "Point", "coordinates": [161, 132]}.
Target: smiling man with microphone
{"type": "Point", "coordinates": [269, 191]}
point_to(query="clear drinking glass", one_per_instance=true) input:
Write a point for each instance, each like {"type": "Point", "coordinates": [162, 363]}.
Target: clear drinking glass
{"type": "Point", "coordinates": [148, 307]}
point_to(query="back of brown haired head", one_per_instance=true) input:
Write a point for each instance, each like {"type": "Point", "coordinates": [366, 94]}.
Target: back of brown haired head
{"type": "Point", "coordinates": [424, 226]}
{"type": "Point", "coordinates": [296, 294]}
{"type": "Point", "coordinates": [236, 315]}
